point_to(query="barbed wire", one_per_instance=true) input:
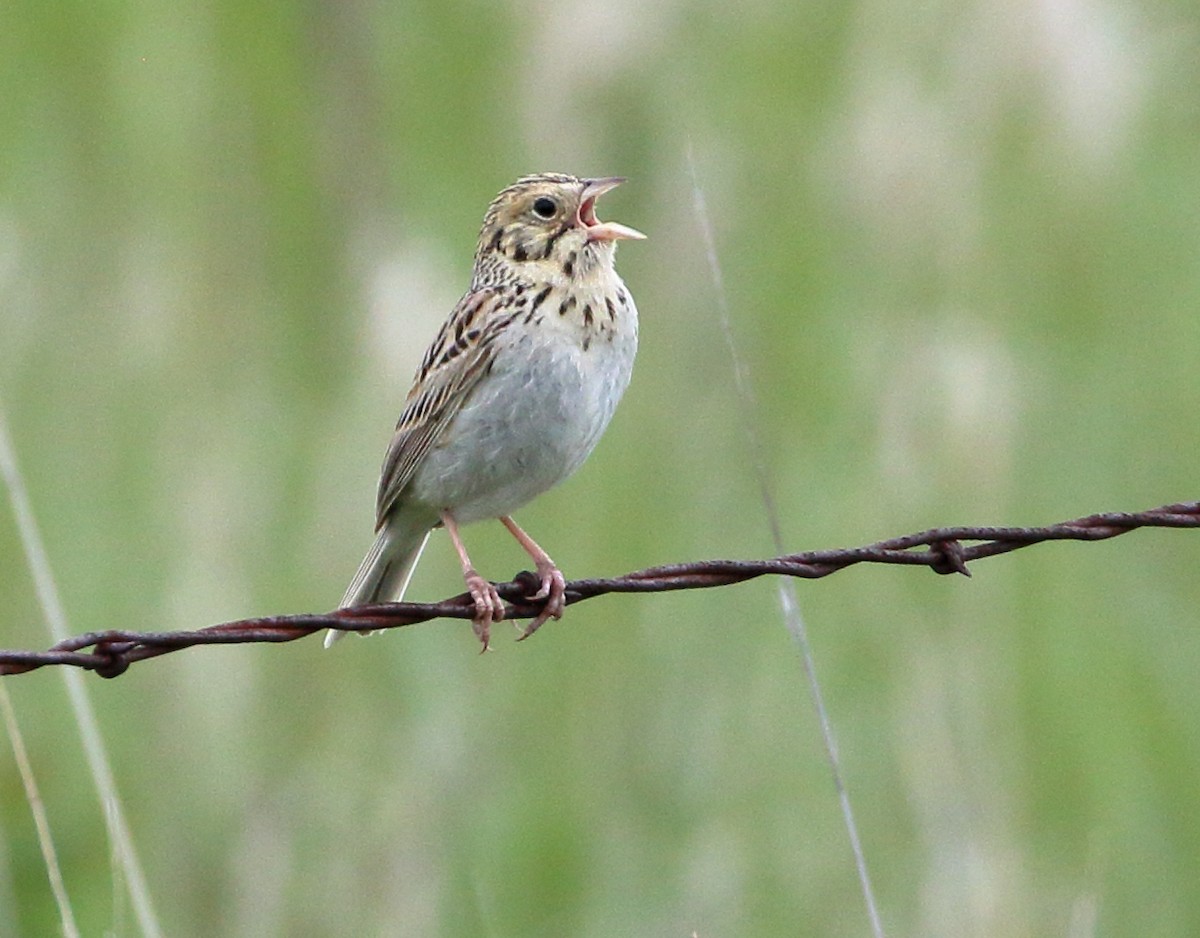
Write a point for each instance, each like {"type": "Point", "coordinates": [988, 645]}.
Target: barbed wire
{"type": "Point", "coordinates": [940, 549]}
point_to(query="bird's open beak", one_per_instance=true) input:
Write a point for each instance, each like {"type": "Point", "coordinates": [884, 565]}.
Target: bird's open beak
{"type": "Point", "coordinates": [602, 230]}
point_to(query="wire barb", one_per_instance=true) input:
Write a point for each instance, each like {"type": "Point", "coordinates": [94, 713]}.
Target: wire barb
{"type": "Point", "coordinates": [940, 549]}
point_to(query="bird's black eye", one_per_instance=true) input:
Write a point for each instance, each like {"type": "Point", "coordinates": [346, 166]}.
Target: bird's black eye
{"type": "Point", "coordinates": [545, 207]}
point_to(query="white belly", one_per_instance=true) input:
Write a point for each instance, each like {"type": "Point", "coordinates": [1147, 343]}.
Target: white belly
{"type": "Point", "coordinates": [530, 423]}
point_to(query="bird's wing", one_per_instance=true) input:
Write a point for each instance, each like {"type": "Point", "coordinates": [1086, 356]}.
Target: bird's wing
{"type": "Point", "coordinates": [453, 364]}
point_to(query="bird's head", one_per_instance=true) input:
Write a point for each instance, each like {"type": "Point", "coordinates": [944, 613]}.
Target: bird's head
{"type": "Point", "coordinates": [549, 222]}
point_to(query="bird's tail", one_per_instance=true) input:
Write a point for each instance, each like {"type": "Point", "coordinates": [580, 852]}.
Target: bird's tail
{"type": "Point", "coordinates": [384, 573]}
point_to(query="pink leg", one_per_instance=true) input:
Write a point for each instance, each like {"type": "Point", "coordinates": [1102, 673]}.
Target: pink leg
{"type": "Point", "coordinates": [489, 607]}
{"type": "Point", "coordinates": [553, 584]}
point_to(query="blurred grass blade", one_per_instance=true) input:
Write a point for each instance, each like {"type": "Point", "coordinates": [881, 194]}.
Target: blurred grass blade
{"type": "Point", "coordinates": [124, 854]}
{"type": "Point", "coordinates": [789, 603]}
{"type": "Point", "coordinates": [40, 821]}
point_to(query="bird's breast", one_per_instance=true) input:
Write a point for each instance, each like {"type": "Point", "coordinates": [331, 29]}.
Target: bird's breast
{"type": "Point", "coordinates": [559, 370]}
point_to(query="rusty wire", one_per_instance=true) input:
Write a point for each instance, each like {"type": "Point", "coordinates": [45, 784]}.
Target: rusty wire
{"type": "Point", "coordinates": [940, 549]}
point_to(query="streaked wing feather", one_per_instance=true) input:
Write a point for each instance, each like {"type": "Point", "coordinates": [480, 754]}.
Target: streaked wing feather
{"type": "Point", "coordinates": [452, 366]}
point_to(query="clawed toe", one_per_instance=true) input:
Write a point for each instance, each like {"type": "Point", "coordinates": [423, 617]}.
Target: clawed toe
{"type": "Point", "coordinates": [553, 590]}
{"type": "Point", "coordinates": [553, 586]}
{"type": "Point", "coordinates": [489, 607]}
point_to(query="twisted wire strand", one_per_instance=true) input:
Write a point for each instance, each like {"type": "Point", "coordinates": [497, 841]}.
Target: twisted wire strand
{"type": "Point", "coordinates": [110, 653]}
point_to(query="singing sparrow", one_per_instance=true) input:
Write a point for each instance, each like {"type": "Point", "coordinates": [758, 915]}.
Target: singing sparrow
{"type": "Point", "coordinates": [514, 392]}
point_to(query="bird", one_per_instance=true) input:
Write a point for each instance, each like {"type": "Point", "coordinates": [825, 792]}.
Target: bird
{"type": "Point", "coordinates": [513, 393]}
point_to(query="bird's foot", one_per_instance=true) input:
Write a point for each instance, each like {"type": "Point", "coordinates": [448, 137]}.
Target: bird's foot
{"type": "Point", "coordinates": [553, 590]}
{"type": "Point", "coordinates": [489, 607]}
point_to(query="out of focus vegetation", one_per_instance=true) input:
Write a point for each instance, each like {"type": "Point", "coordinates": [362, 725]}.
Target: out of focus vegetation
{"type": "Point", "coordinates": [962, 249]}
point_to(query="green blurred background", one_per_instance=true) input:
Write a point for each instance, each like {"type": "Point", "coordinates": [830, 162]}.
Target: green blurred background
{"type": "Point", "coordinates": [962, 250]}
